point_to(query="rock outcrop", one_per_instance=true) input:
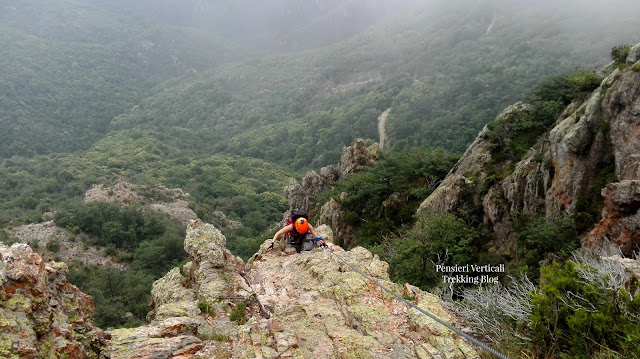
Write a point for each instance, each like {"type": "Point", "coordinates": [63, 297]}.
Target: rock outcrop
{"type": "Point", "coordinates": [41, 314]}
{"type": "Point", "coordinates": [591, 142]}
{"type": "Point", "coordinates": [307, 305]}
{"type": "Point", "coordinates": [301, 194]}
{"type": "Point", "coordinates": [620, 224]}
{"type": "Point", "coordinates": [173, 202]}
{"type": "Point", "coordinates": [41, 235]}
{"type": "Point", "coordinates": [352, 160]}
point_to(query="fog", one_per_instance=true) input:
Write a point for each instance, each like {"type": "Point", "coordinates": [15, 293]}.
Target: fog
{"type": "Point", "coordinates": [300, 24]}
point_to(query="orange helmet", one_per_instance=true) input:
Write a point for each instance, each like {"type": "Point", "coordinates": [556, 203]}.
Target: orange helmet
{"type": "Point", "coordinates": [301, 225]}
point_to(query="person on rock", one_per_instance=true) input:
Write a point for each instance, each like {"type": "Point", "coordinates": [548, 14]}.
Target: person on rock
{"type": "Point", "coordinates": [299, 233]}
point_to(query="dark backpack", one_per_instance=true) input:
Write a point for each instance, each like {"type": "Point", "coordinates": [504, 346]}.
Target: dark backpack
{"type": "Point", "coordinates": [293, 235]}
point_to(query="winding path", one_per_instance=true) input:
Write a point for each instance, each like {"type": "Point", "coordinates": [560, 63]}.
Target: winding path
{"type": "Point", "coordinates": [382, 126]}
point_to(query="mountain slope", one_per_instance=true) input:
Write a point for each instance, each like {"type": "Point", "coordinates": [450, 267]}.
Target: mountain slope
{"type": "Point", "coordinates": [588, 153]}
{"type": "Point", "coordinates": [68, 67]}
{"type": "Point", "coordinates": [442, 77]}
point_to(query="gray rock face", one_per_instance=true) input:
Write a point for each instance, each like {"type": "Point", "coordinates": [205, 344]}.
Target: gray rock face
{"type": "Point", "coordinates": [634, 55]}
{"type": "Point", "coordinates": [589, 142]}
{"type": "Point", "coordinates": [332, 215]}
{"type": "Point", "coordinates": [353, 159]}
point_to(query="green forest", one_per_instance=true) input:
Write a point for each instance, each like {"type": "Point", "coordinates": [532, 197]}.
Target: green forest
{"type": "Point", "coordinates": [180, 94]}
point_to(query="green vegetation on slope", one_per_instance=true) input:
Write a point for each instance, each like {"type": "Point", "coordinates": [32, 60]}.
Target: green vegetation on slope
{"type": "Point", "coordinates": [68, 67]}
{"type": "Point", "coordinates": [147, 241]}
{"type": "Point", "coordinates": [441, 74]}
{"type": "Point", "coordinates": [382, 199]}
{"type": "Point", "coordinates": [247, 190]}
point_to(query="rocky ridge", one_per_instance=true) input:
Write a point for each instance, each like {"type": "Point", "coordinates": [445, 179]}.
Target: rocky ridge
{"type": "Point", "coordinates": [41, 314]}
{"type": "Point", "coordinates": [283, 306]}
{"type": "Point", "coordinates": [302, 194]}
{"type": "Point", "coordinates": [591, 141]}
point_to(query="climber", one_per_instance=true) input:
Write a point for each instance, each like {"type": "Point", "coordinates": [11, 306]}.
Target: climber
{"type": "Point", "coordinates": [298, 231]}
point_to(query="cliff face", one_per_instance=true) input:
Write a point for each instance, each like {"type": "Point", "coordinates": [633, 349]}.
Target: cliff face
{"type": "Point", "coordinates": [588, 144]}
{"type": "Point", "coordinates": [41, 314]}
{"type": "Point", "coordinates": [283, 306]}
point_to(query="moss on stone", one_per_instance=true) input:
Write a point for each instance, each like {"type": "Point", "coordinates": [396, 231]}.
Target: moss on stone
{"type": "Point", "coordinates": [18, 303]}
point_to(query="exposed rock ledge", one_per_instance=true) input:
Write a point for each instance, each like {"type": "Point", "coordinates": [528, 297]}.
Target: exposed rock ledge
{"type": "Point", "coordinates": [41, 314]}
{"type": "Point", "coordinates": [307, 305]}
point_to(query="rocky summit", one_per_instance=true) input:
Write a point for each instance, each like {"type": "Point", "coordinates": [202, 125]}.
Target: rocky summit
{"type": "Point", "coordinates": [307, 305]}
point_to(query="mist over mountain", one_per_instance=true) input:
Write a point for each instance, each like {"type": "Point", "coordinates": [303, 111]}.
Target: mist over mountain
{"type": "Point", "coordinates": [281, 25]}
{"type": "Point", "coordinates": [211, 108]}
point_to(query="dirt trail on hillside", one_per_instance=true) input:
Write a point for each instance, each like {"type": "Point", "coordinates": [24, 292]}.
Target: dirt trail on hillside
{"type": "Point", "coordinates": [495, 15]}
{"type": "Point", "coordinates": [382, 126]}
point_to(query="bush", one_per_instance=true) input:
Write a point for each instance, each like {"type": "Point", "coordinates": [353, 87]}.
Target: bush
{"type": "Point", "coordinates": [538, 238]}
{"type": "Point", "coordinates": [442, 239]}
{"type": "Point", "coordinates": [53, 245]}
{"type": "Point", "coordinates": [582, 309]}
{"type": "Point", "coordinates": [580, 313]}
{"type": "Point", "coordinates": [384, 198]}
{"type": "Point", "coordinates": [619, 54]}
{"type": "Point", "coordinates": [239, 313]}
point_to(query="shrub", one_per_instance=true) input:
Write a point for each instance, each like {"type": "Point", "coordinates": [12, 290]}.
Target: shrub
{"type": "Point", "coordinates": [239, 313]}
{"type": "Point", "coordinates": [53, 245]}
{"type": "Point", "coordinates": [434, 238]}
{"type": "Point", "coordinates": [619, 54]}
{"type": "Point", "coordinates": [206, 308]}
{"type": "Point", "coordinates": [580, 312]}
{"type": "Point", "coordinates": [539, 237]}
{"type": "Point", "coordinates": [581, 309]}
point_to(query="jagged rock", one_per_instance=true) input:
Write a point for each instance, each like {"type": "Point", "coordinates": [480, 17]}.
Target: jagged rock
{"type": "Point", "coordinates": [332, 214]}
{"type": "Point", "coordinates": [620, 222]}
{"type": "Point", "coordinates": [214, 272]}
{"type": "Point", "coordinates": [621, 110]}
{"type": "Point", "coordinates": [357, 157]}
{"type": "Point", "coordinates": [121, 192]}
{"type": "Point", "coordinates": [634, 54]}
{"type": "Point", "coordinates": [561, 169]}
{"type": "Point", "coordinates": [326, 233]}
{"type": "Point", "coordinates": [170, 338]}
{"type": "Point", "coordinates": [446, 197]}
{"type": "Point", "coordinates": [170, 298]}
{"type": "Point", "coordinates": [41, 314]}
{"type": "Point", "coordinates": [331, 311]}
{"type": "Point", "coordinates": [353, 159]}
{"type": "Point", "coordinates": [299, 306]}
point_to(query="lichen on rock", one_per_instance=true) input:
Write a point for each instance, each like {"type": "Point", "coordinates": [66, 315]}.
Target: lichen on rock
{"type": "Point", "coordinates": [41, 314]}
{"type": "Point", "coordinates": [303, 305]}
